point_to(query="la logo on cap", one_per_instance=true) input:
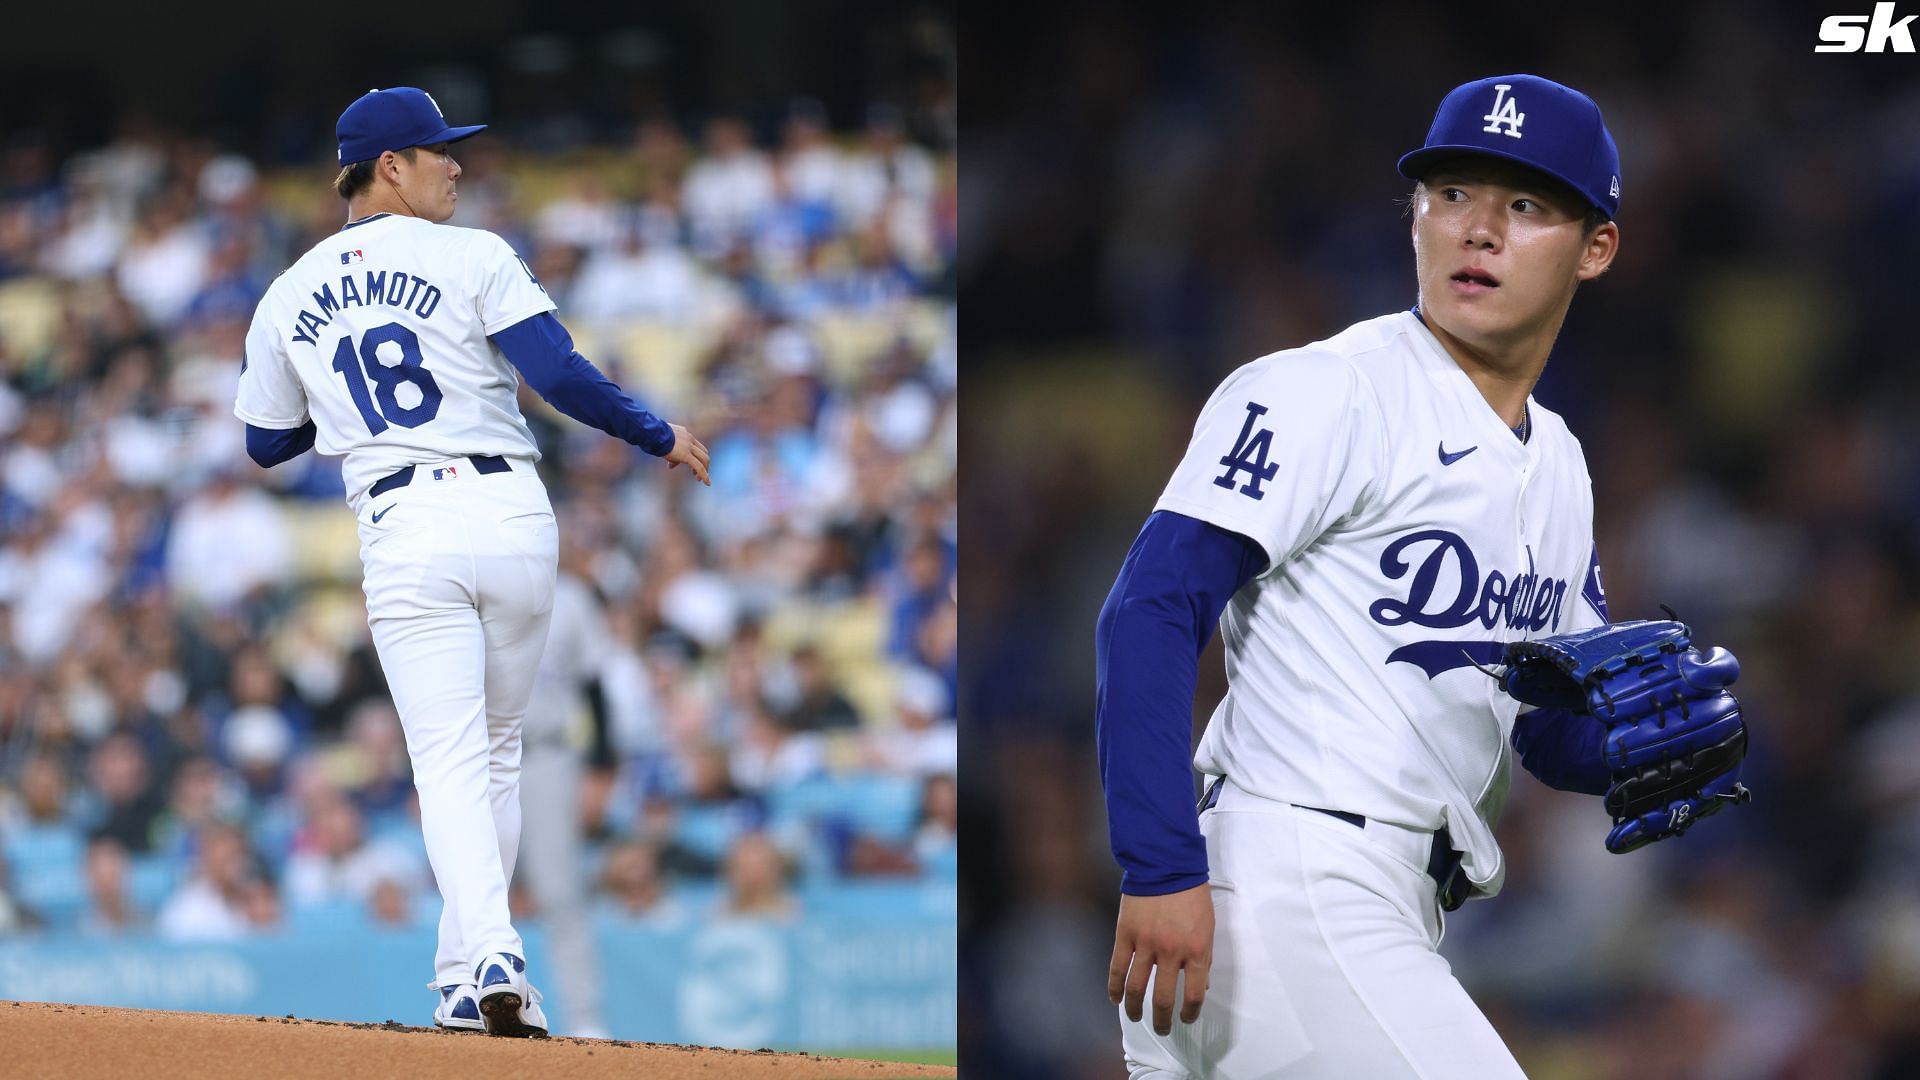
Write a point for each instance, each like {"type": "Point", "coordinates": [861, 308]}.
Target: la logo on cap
{"type": "Point", "coordinates": [1506, 113]}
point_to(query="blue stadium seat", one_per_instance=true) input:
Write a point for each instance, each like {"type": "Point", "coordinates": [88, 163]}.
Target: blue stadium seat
{"type": "Point", "coordinates": [698, 897]}
{"type": "Point", "coordinates": [48, 868]}
{"type": "Point", "coordinates": [398, 829]}
{"type": "Point", "coordinates": [707, 830]}
{"type": "Point", "coordinates": [151, 879]}
{"type": "Point", "coordinates": [811, 849]}
{"type": "Point", "coordinates": [39, 845]}
{"type": "Point", "coordinates": [334, 916]}
{"type": "Point", "coordinates": [272, 831]}
{"type": "Point", "coordinates": [878, 805]}
{"type": "Point", "coordinates": [944, 865]}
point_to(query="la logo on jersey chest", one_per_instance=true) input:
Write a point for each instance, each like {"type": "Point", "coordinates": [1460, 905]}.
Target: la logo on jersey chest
{"type": "Point", "coordinates": [1505, 117]}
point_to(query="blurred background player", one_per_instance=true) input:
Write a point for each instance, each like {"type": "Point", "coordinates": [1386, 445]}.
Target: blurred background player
{"type": "Point", "coordinates": [568, 704]}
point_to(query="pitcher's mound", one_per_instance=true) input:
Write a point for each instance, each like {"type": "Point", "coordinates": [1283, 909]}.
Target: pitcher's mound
{"type": "Point", "coordinates": [94, 1041]}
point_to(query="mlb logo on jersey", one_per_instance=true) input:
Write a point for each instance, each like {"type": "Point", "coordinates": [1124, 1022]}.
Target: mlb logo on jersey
{"type": "Point", "coordinates": [448, 473]}
{"type": "Point", "coordinates": [354, 256]}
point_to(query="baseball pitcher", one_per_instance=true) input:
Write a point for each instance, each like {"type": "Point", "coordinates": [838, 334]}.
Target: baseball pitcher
{"type": "Point", "coordinates": [395, 343]}
{"type": "Point", "coordinates": [1396, 542]}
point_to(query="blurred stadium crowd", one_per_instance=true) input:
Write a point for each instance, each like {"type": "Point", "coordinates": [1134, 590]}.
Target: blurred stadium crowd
{"type": "Point", "coordinates": [1174, 193]}
{"type": "Point", "coordinates": [196, 740]}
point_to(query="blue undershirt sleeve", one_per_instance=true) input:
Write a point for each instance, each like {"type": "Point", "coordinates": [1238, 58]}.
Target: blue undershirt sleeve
{"type": "Point", "coordinates": [1564, 749]}
{"type": "Point", "coordinates": [1161, 613]}
{"type": "Point", "coordinates": [271, 446]}
{"type": "Point", "coordinates": [543, 351]}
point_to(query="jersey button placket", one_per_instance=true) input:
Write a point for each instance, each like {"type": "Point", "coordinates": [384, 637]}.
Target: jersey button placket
{"type": "Point", "coordinates": [1520, 511]}
{"type": "Point", "coordinates": [1526, 480]}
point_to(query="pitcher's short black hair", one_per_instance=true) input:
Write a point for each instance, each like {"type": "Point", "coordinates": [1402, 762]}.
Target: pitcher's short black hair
{"type": "Point", "coordinates": [358, 176]}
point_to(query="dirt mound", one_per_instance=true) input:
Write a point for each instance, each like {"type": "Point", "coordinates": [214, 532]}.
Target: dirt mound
{"type": "Point", "coordinates": [93, 1041]}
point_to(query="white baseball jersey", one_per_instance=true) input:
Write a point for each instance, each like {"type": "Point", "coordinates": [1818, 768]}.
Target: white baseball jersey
{"type": "Point", "coordinates": [380, 334]}
{"type": "Point", "coordinates": [1409, 534]}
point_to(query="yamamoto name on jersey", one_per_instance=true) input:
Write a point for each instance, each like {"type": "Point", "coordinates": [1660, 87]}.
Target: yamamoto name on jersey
{"type": "Point", "coordinates": [394, 288]}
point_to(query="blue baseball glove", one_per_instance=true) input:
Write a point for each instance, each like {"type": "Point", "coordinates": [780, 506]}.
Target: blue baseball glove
{"type": "Point", "coordinates": [1674, 736]}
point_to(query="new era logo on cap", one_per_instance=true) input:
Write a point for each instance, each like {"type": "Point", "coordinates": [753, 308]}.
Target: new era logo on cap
{"type": "Point", "coordinates": [1533, 121]}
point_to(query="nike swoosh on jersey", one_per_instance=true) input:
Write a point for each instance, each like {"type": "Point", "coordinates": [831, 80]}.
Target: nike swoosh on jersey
{"type": "Point", "coordinates": [1448, 459]}
{"type": "Point", "coordinates": [378, 514]}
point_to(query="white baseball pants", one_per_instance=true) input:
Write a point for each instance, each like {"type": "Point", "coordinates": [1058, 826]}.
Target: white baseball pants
{"type": "Point", "coordinates": [459, 581]}
{"type": "Point", "coordinates": [1325, 961]}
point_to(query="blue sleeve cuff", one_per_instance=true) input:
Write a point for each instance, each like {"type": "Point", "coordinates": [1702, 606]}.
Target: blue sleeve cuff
{"type": "Point", "coordinates": [1140, 885]}
{"type": "Point", "coordinates": [1161, 613]}
{"type": "Point", "coordinates": [543, 351]}
{"type": "Point", "coordinates": [1564, 749]}
{"type": "Point", "coordinates": [269, 446]}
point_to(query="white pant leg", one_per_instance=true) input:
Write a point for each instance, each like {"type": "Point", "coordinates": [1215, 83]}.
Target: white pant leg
{"type": "Point", "coordinates": [453, 573]}
{"type": "Point", "coordinates": [1325, 965]}
{"type": "Point", "coordinates": [516, 605]}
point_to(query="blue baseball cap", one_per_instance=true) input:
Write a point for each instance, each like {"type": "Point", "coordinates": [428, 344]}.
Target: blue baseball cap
{"type": "Point", "coordinates": [394, 119]}
{"type": "Point", "coordinates": [1530, 120]}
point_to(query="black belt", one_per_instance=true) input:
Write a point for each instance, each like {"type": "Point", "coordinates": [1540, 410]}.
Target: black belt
{"type": "Point", "coordinates": [483, 464]}
{"type": "Point", "coordinates": [1443, 862]}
